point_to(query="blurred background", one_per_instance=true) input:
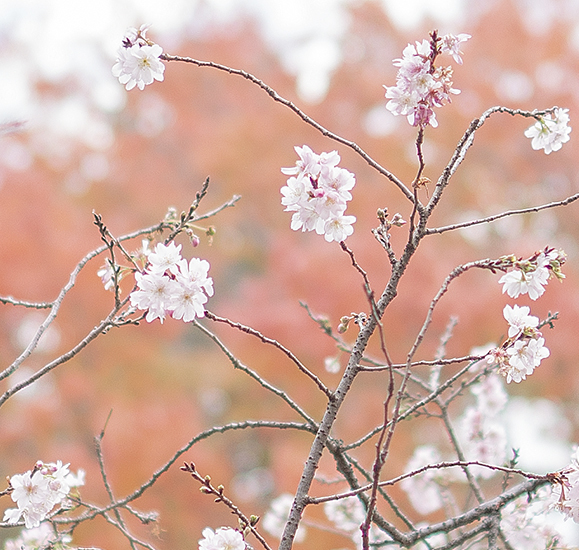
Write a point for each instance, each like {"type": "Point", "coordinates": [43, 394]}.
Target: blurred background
{"type": "Point", "coordinates": [80, 143]}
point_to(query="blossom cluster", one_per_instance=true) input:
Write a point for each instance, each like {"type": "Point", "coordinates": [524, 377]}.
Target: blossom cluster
{"type": "Point", "coordinates": [530, 276]}
{"type": "Point", "coordinates": [525, 348]}
{"type": "Point", "coordinates": [38, 491]}
{"type": "Point", "coordinates": [223, 538]}
{"type": "Point", "coordinates": [550, 131]}
{"type": "Point", "coordinates": [138, 60]}
{"type": "Point", "coordinates": [420, 85]}
{"type": "Point", "coordinates": [171, 285]}
{"type": "Point", "coordinates": [317, 193]}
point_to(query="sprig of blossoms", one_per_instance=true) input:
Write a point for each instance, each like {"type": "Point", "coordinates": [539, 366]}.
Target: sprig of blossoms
{"type": "Point", "coordinates": [525, 348]}
{"type": "Point", "coordinates": [420, 85]}
{"type": "Point", "coordinates": [171, 285]}
{"type": "Point", "coordinates": [550, 131]}
{"type": "Point", "coordinates": [530, 276]}
{"type": "Point", "coordinates": [317, 193]}
{"type": "Point", "coordinates": [138, 60]}
{"type": "Point", "coordinates": [38, 491]}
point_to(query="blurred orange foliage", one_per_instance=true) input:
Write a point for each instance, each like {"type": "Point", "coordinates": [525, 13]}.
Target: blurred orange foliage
{"type": "Point", "coordinates": [166, 383]}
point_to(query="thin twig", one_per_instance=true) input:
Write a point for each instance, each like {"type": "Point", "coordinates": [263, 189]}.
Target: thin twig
{"type": "Point", "coordinates": [276, 344]}
{"type": "Point", "coordinates": [218, 492]}
{"type": "Point", "coordinates": [452, 227]}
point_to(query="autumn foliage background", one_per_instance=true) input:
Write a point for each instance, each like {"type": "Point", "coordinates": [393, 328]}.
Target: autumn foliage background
{"type": "Point", "coordinates": [166, 383]}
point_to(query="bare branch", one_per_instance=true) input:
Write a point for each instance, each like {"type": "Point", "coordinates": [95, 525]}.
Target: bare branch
{"type": "Point", "coordinates": [276, 97]}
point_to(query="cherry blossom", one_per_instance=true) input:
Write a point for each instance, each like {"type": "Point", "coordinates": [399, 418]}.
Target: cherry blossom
{"type": "Point", "coordinates": [519, 319]}
{"type": "Point", "coordinates": [565, 489]}
{"type": "Point", "coordinates": [154, 294]}
{"type": "Point", "coordinates": [171, 285]}
{"type": "Point", "coordinates": [550, 131]}
{"type": "Point", "coordinates": [484, 439]}
{"type": "Point", "coordinates": [36, 492]}
{"type": "Point", "coordinates": [35, 538]}
{"type": "Point", "coordinates": [224, 538]}
{"type": "Point", "coordinates": [517, 282]}
{"type": "Point", "coordinates": [420, 85]}
{"type": "Point", "coordinates": [451, 44]}
{"type": "Point", "coordinates": [530, 276]}
{"type": "Point", "coordinates": [347, 513]}
{"type": "Point", "coordinates": [317, 193]}
{"type": "Point", "coordinates": [423, 489]}
{"type": "Point", "coordinates": [523, 357]}
{"type": "Point", "coordinates": [165, 258]}
{"type": "Point", "coordinates": [138, 60]}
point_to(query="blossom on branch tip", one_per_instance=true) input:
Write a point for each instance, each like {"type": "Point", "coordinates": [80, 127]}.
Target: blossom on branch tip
{"type": "Point", "coordinates": [138, 60]}
{"type": "Point", "coordinates": [565, 489]}
{"type": "Point", "coordinates": [530, 276]}
{"type": "Point", "coordinates": [450, 44]}
{"type": "Point", "coordinates": [317, 193]}
{"type": "Point", "coordinates": [420, 85]}
{"type": "Point", "coordinates": [550, 131]}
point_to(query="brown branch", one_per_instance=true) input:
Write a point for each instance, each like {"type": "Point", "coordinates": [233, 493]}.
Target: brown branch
{"type": "Point", "coordinates": [276, 97]}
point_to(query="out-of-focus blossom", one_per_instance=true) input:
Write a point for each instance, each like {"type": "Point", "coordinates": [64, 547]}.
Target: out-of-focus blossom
{"type": "Point", "coordinates": [347, 513]}
{"type": "Point", "coordinates": [423, 489]}
{"type": "Point", "coordinates": [275, 518]}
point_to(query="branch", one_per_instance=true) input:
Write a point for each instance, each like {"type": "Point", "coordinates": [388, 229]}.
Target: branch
{"type": "Point", "coordinates": [488, 219]}
{"type": "Point", "coordinates": [276, 97]}
{"type": "Point", "coordinates": [275, 343]}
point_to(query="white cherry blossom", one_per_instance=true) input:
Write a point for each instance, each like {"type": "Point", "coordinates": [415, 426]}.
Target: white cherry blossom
{"type": "Point", "coordinates": [139, 65]}
{"type": "Point", "coordinates": [550, 132]}
{"type": "Point", "coordinates": [317, 193]}
{"type": "Point", "coordinates": [224, 538]}
{"type": "Point", "coordinates": [519, 319]}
